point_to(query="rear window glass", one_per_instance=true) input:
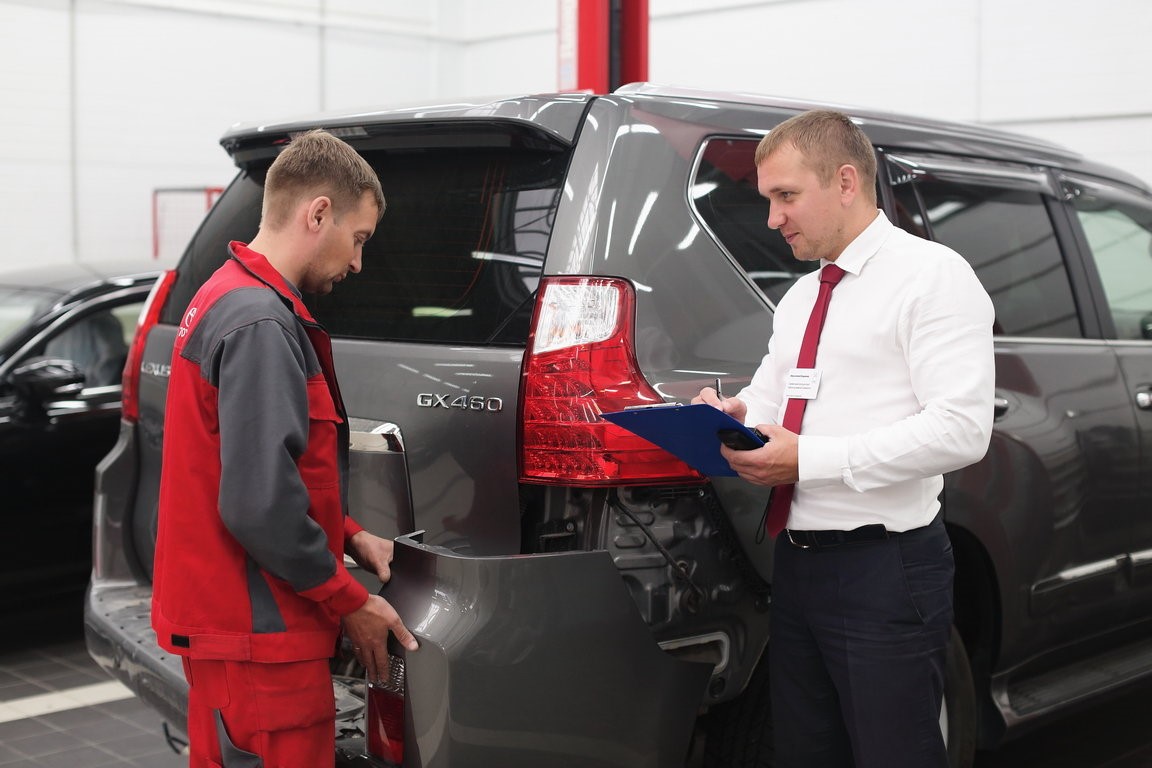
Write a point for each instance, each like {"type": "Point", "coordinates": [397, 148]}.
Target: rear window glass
{"type": "Point", "coordinates": [456, 258]}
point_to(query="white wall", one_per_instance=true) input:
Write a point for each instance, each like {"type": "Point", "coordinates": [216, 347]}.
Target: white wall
{"type": "Point", "coordinates": [106, 100]}
{"type": "Point", "coordinates": [1061, 69]}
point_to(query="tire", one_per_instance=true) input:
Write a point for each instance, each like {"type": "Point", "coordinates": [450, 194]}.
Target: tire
{"type": "Point", "coordinates": [958, 710]}
{"type": "Point", "coordinates": [738, 733]}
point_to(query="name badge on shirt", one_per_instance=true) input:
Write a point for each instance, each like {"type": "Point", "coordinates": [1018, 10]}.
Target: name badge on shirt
{"type": "Point", "coordinates": [802, 383]}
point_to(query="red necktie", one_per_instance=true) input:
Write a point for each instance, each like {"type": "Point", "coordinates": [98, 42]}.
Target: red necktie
{"type": "Point", "coordinates": [781, 502]}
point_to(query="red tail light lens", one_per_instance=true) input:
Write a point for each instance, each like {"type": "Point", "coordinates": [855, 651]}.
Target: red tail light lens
{"type": "Point", "coordinates": [581, 362]}
{"type": "Point", "coordinates": [149, 315]}
{"type": "Point", "coordinates": [384, 719]}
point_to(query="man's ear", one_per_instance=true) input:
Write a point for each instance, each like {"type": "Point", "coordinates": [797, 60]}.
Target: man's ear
{"type": "Point", "coordinates": [849, 180]}
{"type": "Point", "coordinates": [319, 209]}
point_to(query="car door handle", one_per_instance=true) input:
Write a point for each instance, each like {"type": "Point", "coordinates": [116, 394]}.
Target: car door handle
{"type": "Point", "coordinates": [1144, 398]}
{"type": "Point", "coordinates": [999, 406]}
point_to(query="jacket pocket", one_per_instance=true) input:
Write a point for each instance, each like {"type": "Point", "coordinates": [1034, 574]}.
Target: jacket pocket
{"type": "Point", "coordinates": [318, 464]}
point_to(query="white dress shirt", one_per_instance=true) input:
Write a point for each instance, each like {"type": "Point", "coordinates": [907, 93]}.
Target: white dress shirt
{"type": "Point", "coordinates": [906, 382]}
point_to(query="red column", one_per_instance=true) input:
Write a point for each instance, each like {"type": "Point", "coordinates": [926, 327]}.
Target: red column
{"type": "Point", "coordinates": [602, 44]}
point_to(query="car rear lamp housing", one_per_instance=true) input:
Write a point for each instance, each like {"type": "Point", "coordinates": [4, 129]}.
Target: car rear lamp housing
{"type": "Point", "coordinates": [580, 363]}
{"type": "Point", "coordinates": [149, 316]}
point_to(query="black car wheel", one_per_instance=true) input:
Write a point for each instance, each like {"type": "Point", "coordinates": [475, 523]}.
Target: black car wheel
{"type": "Point", "coordinates": [738, 733]}
{"type": "Point", "coordinates": [958, 710]}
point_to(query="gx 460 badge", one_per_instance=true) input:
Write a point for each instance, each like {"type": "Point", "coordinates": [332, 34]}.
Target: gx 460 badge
{"type": "Point", "coordinates": [463, 402]}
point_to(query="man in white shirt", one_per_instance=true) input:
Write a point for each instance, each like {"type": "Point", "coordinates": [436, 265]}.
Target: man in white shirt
{"type": "Point", "coordinates": [901, 392]}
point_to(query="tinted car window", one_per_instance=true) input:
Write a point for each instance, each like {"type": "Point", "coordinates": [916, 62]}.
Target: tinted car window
{"type": "Point", "coordinates": [459, 252]}
{"type": "Point", "coordinates": [236, 217]}
{"type": "Point", "coordinates": [97, 342]}
{"type": "Point", "coordinates": [18, 306]}
{"type": "Point", "coordinates": [456, 258]}
{"type": "Point", "coordinates": [1008, 237]}
{"type": "Point", "coordinates": [1118, 228]}
{"type": "Point", "coordinates": [724, 194]}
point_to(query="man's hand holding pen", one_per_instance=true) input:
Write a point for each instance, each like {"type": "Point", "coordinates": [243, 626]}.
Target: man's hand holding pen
{"type": "Point", "coordinates": [714, 396]}
{"type": "Point", "coordinates": [775, 463]}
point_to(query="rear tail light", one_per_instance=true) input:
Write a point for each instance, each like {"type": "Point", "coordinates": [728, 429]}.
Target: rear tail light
{"type": "Point", "coordinates": [384, 719]}
{"type": "Point", "coordinates": [581, 362]}
{"type": "Point", "coordinates": [149, 315]}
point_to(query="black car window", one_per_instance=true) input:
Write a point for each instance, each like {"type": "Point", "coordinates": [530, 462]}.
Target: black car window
{"type": "Point", "coordinates": [725, 197]}
{"type": "Point", "coordinates": [19, 306]}
{"type": "Point", "coordinates": [1117, 226]}
{"type": "Point", "coordinates": [458, 254]}
{"type": "Point", "coordinates": [236, 216]}
{"type": "Point", "coordinates": [1006, 233]}
{"type": "Point", "coordinates": [96, 341]}
{"type": "Point", "coordinates": [456, 258]}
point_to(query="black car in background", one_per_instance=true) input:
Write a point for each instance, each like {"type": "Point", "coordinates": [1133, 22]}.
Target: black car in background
{"type": "Point", "coordinates": [581, 598]}
{"type": "Point", "coordinates": [65, 330]}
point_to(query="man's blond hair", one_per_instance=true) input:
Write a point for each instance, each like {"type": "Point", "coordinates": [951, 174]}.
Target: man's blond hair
{"type": "Point", "coordinates": [317, 164]}
{"type": "Point", "coordinates": [827, 140]}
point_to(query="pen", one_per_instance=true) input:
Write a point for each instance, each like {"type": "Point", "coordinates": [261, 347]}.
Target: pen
{"type": "Point", "coordinates": [719, 393]}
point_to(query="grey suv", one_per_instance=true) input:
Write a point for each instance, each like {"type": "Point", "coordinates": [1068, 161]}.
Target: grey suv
{"type": "Point", "coordinates": [582, 598]}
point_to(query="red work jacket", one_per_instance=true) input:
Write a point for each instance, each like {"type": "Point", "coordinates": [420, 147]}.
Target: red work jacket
{"type": "Point", "coordinates": [252, 519]}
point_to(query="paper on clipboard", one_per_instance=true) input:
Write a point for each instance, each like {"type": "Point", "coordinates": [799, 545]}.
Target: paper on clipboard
{"type": "Point", "coordinates": [687, 431]}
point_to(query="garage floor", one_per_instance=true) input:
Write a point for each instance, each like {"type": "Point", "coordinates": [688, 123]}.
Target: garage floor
{"type": "Point", "coordinates": [59, 710]}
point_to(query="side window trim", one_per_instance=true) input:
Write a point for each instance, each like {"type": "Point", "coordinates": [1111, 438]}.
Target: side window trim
{"type": "Point", "coordinates": [973, 172]}
{"type": "Point", "coordinates": [1086, 289]}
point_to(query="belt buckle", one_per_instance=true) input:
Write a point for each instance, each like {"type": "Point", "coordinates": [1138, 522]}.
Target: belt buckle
{"type": "Point", "coordinates": [794, 542]}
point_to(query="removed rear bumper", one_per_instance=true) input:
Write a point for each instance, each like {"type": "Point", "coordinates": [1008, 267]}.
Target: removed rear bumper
{"type": "Point", "coordinates": [535, 660]}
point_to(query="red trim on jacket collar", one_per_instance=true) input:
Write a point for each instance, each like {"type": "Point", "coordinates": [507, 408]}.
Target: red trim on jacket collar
{"type": "Point", "coordinates": [257, 265]}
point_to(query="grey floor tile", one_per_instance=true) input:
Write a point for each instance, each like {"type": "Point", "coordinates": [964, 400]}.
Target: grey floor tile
{"type": "Point", "coordinates": [82, 757]}
{"type": "Point", "coordinates": [48, 743]}
{"type": "Point", "coordinates": [137, 745]}
{"type": "Point", "coordinates": [69, 719]}
{"type": "Point", "coordinates": [22, 729]}
{"type": "Point", "coordinates": [21, 690]}
{"type": "Point", "coordinates": [9, 756]}
{"type": "Point", "coordinates": [107, 729]}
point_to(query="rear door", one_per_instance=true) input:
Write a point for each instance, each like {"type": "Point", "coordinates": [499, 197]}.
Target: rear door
{"type": "Point", "coordinates": [1054, 497]}
{"type": "Point", "coordinates": [428, 338]}
{"type": "Point", "coordinates": [1115, 225]}
{"type": "Point", "coordinates": [49, 456]}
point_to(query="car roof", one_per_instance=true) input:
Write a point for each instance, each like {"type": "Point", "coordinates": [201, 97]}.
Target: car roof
{"type": "Point", "coordinates": [64, 277]}
{"type": "Point", "coordinates": [556, 112]}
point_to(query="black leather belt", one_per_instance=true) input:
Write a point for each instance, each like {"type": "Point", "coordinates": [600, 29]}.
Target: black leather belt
{"type": "Point", "coordinates": [829, 539]}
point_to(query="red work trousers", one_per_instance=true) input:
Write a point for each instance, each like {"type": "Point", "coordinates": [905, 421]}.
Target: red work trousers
{"type": "Point", "coordinates": [252, 715]}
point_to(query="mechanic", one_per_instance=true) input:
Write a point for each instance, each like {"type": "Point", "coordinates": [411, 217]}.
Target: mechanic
{"type": "Point", "coordinates": [250, 587]}
{"type": "Point", "coordinates": [900, 392]}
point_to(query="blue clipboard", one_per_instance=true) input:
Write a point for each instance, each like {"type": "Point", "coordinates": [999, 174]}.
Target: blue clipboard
{"type": "Point", "coordinates": [687, 431]}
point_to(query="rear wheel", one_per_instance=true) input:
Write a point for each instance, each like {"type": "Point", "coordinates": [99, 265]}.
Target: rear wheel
{"type": "Point", "coordinates": [958, 710]}
{"type": "Point", "coordinates": [738, 733]}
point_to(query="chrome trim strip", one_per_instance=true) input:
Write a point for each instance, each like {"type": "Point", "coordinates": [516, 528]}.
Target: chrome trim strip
{"type": "Point", "coordinates": [711, 637]}
{"type": "Point", "coordinates": [382, 438]}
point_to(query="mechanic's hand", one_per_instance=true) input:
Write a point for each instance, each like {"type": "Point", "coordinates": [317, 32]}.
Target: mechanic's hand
{"type": "Point", "coordinates": [368, 627]}
{"type": "Point", "coordinates": [733, 406]}
{"type": "Point", "coordinates": [777, 463]}
{"type": "Point", "coordinates": [371, 553]}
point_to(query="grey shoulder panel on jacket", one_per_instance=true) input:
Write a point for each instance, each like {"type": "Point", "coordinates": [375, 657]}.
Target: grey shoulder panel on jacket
{"type": "Point", "coordinates": [243, 308]}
